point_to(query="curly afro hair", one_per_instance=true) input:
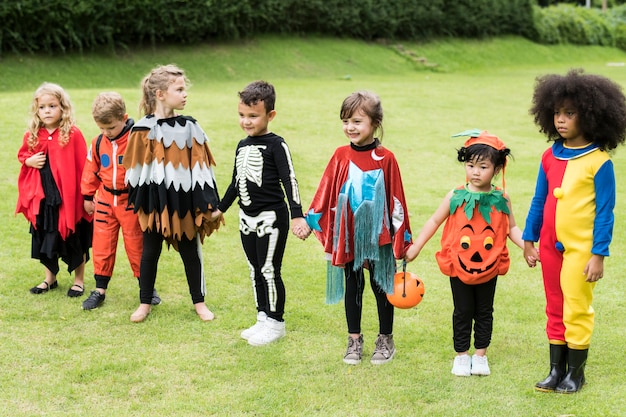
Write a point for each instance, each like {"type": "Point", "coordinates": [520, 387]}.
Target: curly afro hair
{"type": "Point", "coordinates": [599, 102]}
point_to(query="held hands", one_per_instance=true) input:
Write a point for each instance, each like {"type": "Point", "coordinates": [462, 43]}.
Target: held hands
{"type": "Point", "coordinates": [216, 214]}
{"type": "Point", "coordinates": [531, 254]}
{"type": "Point", "coordinates": [300, 228]}
{"type": "Point", "coordinates": [36, 161]}
{"type": "Point", "coordinates": [412, 252]}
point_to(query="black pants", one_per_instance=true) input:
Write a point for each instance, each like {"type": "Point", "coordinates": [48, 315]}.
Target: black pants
{"type": "Point", "coordinates": [355, 283]}
{"type": "Point", "coordinates": [472, 303]}
{"type": "Point", "coordinates": [190, 253]}
{"type": "Point", "coordinates": [264, 238]}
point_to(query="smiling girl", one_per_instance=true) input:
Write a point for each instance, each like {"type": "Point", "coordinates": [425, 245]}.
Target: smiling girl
{"type": "Point", "coordinates": [479, 218]}
{"type": "Point", "coordinates": [53, 154]}
{"type": "Point", "coordinates": [359, 215]}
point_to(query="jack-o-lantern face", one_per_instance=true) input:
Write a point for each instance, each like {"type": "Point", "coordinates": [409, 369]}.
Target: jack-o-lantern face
{"type": "Point", "coordinates": [475, 252]}
{"type": "Point", "coordinates": [476, 249]}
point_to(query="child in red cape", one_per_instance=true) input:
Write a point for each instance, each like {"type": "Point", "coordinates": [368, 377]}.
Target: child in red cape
{"type": "Point", "coordinates": [52, 155]}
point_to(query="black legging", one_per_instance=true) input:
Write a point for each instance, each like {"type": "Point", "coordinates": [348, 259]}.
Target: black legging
{"type": "Point", "coordinates": [355, 283]}
{"type": "Point", "coordinates": [264, 238]}
{"type": "Point", "coordinates": [188, 249]}
{"type": "Point", "coordinates": [472, 303]}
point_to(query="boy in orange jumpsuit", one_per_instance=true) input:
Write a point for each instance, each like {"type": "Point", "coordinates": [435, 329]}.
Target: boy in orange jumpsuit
{"type": "Point", "coordinates": [106, 196]}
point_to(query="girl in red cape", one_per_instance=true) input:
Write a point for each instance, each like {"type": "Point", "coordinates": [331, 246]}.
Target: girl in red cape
{"type": "Point", "coordinates": [53, 155]}
{"type": "Point", "coordinates": [359, 215]}
{"type": "Point", "coordinates": [479, 218]}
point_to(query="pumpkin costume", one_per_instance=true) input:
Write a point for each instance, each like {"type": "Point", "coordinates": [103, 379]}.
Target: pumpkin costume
{"type": "Point", "coordinates": [478, 222]}
{"type": "Point", "coordinates": [473, 243]}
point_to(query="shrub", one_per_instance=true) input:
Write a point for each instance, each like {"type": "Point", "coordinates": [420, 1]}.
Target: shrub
{"type": "Point", "coordinates": [63, 25]}
{"type": "Point", "coordinates": [571, 24]}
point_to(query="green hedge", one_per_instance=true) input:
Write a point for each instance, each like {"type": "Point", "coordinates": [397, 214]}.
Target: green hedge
{"type": "Point", "coordinates": [76, 25]}
{"type": "Point", "coordinates": [573, 24]}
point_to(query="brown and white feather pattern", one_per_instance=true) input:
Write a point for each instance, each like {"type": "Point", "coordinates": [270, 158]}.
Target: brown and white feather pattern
{"type": "Point", "coordinates": [169, 171]}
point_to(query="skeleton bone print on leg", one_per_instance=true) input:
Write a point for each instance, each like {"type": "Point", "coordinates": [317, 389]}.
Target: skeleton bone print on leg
{"type": "Point", "coordinates": [263, 225]}
{"type": "Point", "coordinates": [249, 163]}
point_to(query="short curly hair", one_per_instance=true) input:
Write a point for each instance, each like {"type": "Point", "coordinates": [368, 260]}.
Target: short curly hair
{"type": "Point", "coordinates": [599, 102]}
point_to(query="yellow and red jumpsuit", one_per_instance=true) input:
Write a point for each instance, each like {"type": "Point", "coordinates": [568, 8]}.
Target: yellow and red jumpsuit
{"type": "Point", "coordinates": [571, 215]}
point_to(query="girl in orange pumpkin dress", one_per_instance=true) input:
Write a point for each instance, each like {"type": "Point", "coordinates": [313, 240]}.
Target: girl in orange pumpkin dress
{"type": "Point", "coordinates": [479, 218]}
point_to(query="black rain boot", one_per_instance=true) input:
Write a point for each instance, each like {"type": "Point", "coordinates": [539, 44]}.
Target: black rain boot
{"type": "Point", "coordinates": [558, 361]}
{"type": "Point", "coordinates": [575, 377]}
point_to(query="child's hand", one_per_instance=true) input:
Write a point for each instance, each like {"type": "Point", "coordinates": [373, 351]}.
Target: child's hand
{"type": "Point", "coordinates": [531, 254]}
{"type": "Point", "coordinates": [36, 161]}
{"type": "Point", "coordinates": [411, 253]}
{"type": "Point", "coordinates": [216, 215]}
{"type": "Point", "coordinates": [594, 270]}
{"type": "Point", "coordinates": [300, 228]}
{"type": "Point", "coordinates": [89, 207]}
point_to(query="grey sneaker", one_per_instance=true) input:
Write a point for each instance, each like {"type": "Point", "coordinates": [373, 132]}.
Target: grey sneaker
{"type": "Point", "coordinates": [385, 349]}
{"type": "Point", "coordinates": [156, 300]}
{"type": "Point", "coordinates": [355, 350]}
{"type": "Point", "coordinates": [94, 300]}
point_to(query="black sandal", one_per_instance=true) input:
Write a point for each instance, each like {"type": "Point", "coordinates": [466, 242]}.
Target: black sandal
{"type": "Point", "coordinates": [74, 293]}
{"type": "Point", "coordinates": [48, 287]}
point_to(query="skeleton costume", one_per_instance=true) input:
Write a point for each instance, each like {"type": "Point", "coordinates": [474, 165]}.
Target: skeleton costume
{"type": "Point", "coordinates": [172, 189]}
{"type": "Point", "coordinates": [263, 175]}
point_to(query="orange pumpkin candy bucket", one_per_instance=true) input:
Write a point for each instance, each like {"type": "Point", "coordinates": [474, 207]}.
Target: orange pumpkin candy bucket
{"type": "Point", "coordinates": [408, 289]}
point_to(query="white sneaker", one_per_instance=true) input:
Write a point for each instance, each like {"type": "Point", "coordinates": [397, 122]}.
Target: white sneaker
{"type": "Point", "coordinates": [256, 327]}
{"type": "Point", "coordinates": [272, 330]}
{"type": "Point", "coordinates": [462, 365]}
{"type": "Point", "coordinates": [480, 365]}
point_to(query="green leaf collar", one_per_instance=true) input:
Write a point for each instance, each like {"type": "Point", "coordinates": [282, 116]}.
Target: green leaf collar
{"type": "Point", "coordinates": [485, 201]}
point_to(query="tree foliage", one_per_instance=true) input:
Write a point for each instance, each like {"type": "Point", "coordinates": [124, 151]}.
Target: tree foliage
{"type": "Point", "coordinates": [77, 25]}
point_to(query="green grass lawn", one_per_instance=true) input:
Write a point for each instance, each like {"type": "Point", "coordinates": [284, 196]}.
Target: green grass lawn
{"type": "Point", "coordinates": [57, 360]}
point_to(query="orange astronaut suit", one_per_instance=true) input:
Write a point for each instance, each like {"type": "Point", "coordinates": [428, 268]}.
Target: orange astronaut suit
{"type": "Point", "coordinates": [103, 181]}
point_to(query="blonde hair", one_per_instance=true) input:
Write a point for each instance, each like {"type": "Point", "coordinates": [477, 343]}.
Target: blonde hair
{"type": "Point", "coordinates": [67, 115]}
{"type": "Point", "coordinates": [159, 78]}
{"type": "Point", "coordinates": [368, 103]}
{"type": "Point", "coordinates": [108, 107]}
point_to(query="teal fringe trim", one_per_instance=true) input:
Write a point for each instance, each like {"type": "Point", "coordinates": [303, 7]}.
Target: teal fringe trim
{"type": "Point", "coordinates": [369, 218]}
{"type": "Point", "coordinates": [385, 269]}
{"type": "Point", "coordinates": [335, 280]}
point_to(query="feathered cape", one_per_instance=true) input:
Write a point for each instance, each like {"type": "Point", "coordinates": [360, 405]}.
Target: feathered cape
{"type": "Point", "coordinates": [169, 171]}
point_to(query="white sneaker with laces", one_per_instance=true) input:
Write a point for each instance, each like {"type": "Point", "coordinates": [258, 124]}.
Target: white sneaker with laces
{"type": "Point", "coordinates": [462, 365]}
{"type": "Point", "coordinates": [480, 365]}
{"type": "Point", "coordinates": [256, 327]}
{"type": "Point", "coordinates": [272, 330]}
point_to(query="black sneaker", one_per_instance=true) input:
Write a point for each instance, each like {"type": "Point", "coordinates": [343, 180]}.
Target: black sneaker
{"type": "Point", "coordinates": [156, 300]}
{"type": "Point", "coordinates": [94, 300]}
